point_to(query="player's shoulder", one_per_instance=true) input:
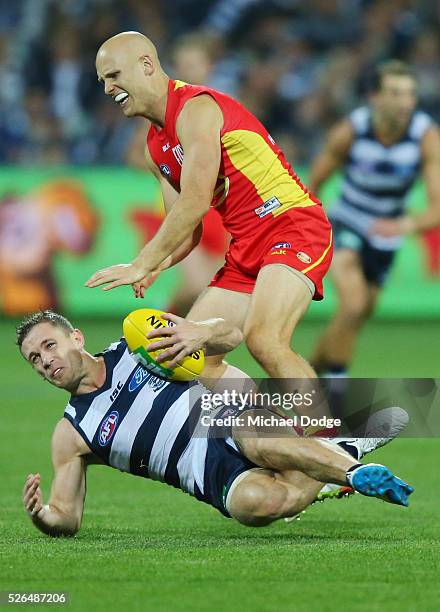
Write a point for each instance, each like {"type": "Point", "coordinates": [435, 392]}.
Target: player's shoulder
{"type": "Point", "coordinates": [419, 124]}
{"type": "Point", "coordinates": [360, 119]}
{"type": "Point", "coordinates": [66, 441]}
{"type": "Point", "coordinates": [116, 347]}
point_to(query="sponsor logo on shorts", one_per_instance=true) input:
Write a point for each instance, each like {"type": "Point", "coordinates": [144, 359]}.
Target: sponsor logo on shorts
{"type": "Point", "coordinates": [140, 375]}
{"type": "Point", "coordinates": [267, 207]}
{"type": "Point", "coordinates": [281, 245]}
{"type": "Point", "coordinates": [165, 169]}
{"type": "Point", "coordinates": [107, 428]}
{"type": "Point", "coordinates": [304, 257]}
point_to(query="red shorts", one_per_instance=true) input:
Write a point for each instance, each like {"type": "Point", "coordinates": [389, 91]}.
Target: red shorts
{"type": "Point", "coordinates": [214, 238]}
{"type": "Point", "coordinates": [301, 238]}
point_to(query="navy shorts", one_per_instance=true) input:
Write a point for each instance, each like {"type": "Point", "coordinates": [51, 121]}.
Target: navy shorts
{"type": "Point", "coordinates": [224, 463]}
{"type": "Point", "coordinates": [376, 263]}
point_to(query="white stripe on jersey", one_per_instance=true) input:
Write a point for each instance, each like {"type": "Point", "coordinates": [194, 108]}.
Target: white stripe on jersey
{"type": "Point", "coordinates": [126, 433]}
{"type": "Point", "coordinates": [361, 222]}
{"type": "Point", "coordinates": [366, 178]}
{"type": "Point", "coordinates": [169, 429]}
{"type": "Point", "coordinates": [379, 205]}
{"type": "Point", "coordinates": [70, 410]}
{"type": "Point", "coordinates": [102, 403]}
{"type": "Point", "coordinates": [399, 154]}
{"type": "Point", "coordinates": [191, 465]}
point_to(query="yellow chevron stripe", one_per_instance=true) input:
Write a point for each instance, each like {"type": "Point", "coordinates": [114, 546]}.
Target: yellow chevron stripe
{"type": "Point", "coordinates": [252, 156]}
{"type": "Point", "coordinates": [322, 256]}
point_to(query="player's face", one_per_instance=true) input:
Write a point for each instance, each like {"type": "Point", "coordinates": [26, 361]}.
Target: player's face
{"type": "Point", "coordinates": [396, 100]}
{"type": "Point", "coordinates": [125, 81]}
{"type": "Point", "coordinates": [55, 354]}
{"type": "Point", "coordinates": [193, 65]}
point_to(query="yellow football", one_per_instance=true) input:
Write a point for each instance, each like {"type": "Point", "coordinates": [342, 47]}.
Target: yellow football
{"type": "Point", "coordinates": [136, 326]}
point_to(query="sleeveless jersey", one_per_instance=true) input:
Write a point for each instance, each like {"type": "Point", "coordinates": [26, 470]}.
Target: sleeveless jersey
{"type": "Point", "coordinates": [255, 183]}
{"type": "Point", "coordinates": [142, 424]}
{"type": "Point", "coordinates": [377, 178]}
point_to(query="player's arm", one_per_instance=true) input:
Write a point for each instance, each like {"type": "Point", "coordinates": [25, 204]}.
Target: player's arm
{"type": "Point", "coordinates": [63, 514]}
{"type": "Point", "coordinates": [170, 196]}
{"type": "Point", "coordinates": [409, 224]}
{"type": "Point", "coordinates": [333, 155]}
{"type": "Point", "coordinates": [198, 128]}
{"type": "Point", "coordinates": [431, 175]}
{"type": "Point", "coordinates": [214, 336]}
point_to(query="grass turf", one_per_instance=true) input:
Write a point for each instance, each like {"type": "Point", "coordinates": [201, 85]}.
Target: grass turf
{"type": "Point", "coordinates": [145, 546]}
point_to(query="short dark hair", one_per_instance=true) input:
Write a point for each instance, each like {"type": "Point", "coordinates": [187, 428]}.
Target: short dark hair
{"type": "Point", "coordinates": [42, 316]}
{"type": "Point", "coordinates": [390, 68]}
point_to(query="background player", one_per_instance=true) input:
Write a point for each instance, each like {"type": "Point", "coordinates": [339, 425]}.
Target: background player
{"type": "Point", "coordinates": [382, 148]}
{"type": "Point", "coordinates": [207, 150]}
{"type": "Point", "coordinates": [121, 415]}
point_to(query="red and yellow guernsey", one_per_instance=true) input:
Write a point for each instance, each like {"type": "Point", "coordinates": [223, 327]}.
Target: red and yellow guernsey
{"type": "Point", "coordinates": [255, 183]}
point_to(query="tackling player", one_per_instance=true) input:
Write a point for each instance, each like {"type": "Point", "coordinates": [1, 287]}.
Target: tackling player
{"type": "Point", "coordinates": [208, 151]}
{"type": "Point", "coordinates": [123, 416]}
{"type": "Point", "coordinates": [383, 147]}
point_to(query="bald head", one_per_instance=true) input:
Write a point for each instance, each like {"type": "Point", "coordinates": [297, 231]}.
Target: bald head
{"type": "Point", "coordinates": [130, 69]}
{"type": "Point", "coordinates": [132, 44]}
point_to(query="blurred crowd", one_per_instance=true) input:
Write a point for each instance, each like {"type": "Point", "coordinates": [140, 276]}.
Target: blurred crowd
{"type": "Point", "coordinates": [299, 65]}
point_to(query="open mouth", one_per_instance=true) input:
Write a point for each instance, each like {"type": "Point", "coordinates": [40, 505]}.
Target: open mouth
{"type": "Point", "coordinates": [57, 373]}
{"type": "Point", "coordinates": [121, 98]}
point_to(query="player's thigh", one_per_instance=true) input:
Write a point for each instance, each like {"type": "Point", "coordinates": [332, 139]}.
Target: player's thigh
{"type": "Point", "coordinates": [198, 268]}
{"type": "Point", "coordinates": [280, 299]}
{"type": "Point", "coordinates": [349, 279]}
{"type": "Point", "coordinates": [217, 302]}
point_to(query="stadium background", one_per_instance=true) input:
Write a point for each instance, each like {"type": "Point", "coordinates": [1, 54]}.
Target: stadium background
{"type": "Point", "coordinates": [72, 201]}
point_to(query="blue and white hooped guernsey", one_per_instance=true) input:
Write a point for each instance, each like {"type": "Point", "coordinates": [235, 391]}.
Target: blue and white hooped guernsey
{"type": "Point", "coordinates": [377, 178]}
{"type": "Point", "coordinates": [143, 424]}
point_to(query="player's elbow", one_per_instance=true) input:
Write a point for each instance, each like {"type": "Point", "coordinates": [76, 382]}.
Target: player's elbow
{"type": "Point", "coordinates": [236, 338]}
{"type": "Point", "coordinates": [65, 524]}
{"type": "Point", "coordinates": [63, 532]}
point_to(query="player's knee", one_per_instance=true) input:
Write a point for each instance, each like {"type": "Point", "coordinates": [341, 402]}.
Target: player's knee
{"type": "Point", "coordinates": [356, 311]}
{"type": "Point", "coordinates": [264, 346]}
{"type": "Point", "coordinates": [258, 504]}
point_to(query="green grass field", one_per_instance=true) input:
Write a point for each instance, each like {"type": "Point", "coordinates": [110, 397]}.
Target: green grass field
{"type": "Point", "coordinates": [144, 546]}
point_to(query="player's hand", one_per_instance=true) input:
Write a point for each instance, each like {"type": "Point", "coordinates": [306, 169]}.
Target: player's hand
{"type": "Point", "coordinates": [147, 281]}
{"type": "Point", "coordinates": [389, 228]}
{"type": "Point", "coordinates": [179, 341]}
{"type": "Point", "coordinates": [115, 276]}
{"type": "Point", "coordinates": [32, 496]}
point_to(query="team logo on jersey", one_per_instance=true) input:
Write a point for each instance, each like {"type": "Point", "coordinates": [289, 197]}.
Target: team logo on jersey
{"type": "Point", "coordinates": [304, 257]}
{"type": "Point", "coordinates": [270, 205]}
{"type": "Point", "coordinates": [165, 169]}
{"type": "Point", "coordinates": [107, 428]}
{"type": "Point", "coordinates": [281, 245]}
{"type": "Point", "coordinates": [140, 376]}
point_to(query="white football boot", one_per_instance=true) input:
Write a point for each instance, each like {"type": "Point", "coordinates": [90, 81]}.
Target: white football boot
{"type": "Point", "coordinates": [380, 429]}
